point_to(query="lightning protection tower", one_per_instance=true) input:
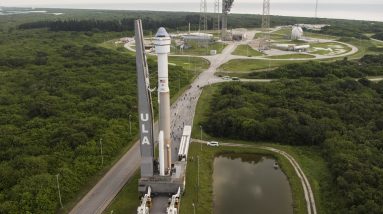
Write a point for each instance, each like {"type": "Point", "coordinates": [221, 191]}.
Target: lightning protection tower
{"type": "Point", "coordinates": [226, 7]}
{"type": "Point", "coordinates": [265, 41]}
{"type": "Point", "coordinates": [217, 14]}
{"type": "Point", "coordinates": [203, 16]}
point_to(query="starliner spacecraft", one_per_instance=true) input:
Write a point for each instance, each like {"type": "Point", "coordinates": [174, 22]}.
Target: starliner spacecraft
{"type": "Point", "coordinates": [165, 174]}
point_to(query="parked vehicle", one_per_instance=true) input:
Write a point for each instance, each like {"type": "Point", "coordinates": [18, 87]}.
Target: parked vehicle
{"type": "Point", "coordinates": [213, 143]}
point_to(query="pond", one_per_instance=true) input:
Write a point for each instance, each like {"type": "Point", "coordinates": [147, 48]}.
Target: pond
{"type": "Point", "coordinates": [250, 184]}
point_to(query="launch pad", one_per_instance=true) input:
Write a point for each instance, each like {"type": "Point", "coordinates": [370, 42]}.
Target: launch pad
{"type": "Point", "coordinates": [165, 184]}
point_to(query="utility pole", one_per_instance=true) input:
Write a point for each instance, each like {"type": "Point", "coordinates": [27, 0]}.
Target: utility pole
{"type": "Point", "coordinates": [217, 12]}
{"type": "Point", "coordinates": [198, 177]}
{"type": "Point", "coordinates": [130, 124]}
{"type": "Point", "coordinates": [203, 16]}
{"type": "Point", "coordinates": [102, 156]}
{"type": "Point", "coordinates": [201, 136]}
{"type": "Point", "coordinates": [198, 171]}
{"type": "Point", "coordinates": [58, 188]}
{"type": "Point", "coordinates": [179, 82]}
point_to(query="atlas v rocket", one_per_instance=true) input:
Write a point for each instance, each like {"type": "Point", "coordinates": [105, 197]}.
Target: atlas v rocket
{"type": "Point", "coordinates": [172, 175]}
{"type": "Point", "coordinates": [162, 45]}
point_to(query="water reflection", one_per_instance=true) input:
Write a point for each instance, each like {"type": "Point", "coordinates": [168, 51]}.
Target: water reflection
{"type": "Point", "coordinates": [249, 184]}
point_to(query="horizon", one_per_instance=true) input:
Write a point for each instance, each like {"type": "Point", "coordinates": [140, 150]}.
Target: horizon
{"type": "Point", "coordinates": [351, 10]}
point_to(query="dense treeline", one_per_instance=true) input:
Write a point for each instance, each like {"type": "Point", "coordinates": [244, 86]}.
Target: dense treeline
{"type": "Point", "coordinates": [378, 36]}
{"type": "Point", "coordinates": [350, 28]}
{"type": "Point", "coordinates": [342, 31]}
{"type": "Point", "coordinates": [341, 116]}
{"type": "Point", "coordinates": [369, 65]}
{"type": "Point", "coordinates": [179, 21]}
{"type": "Point", "coordinates": [126, 24]}
{"type": "Point", "coordinates": [60, 94]}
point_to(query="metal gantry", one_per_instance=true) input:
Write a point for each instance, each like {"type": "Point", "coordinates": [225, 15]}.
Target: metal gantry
{"type": "Point", "coordinates": [217, 13]}
{"type": "Point", "coordinates": [265, 41]}
{"type": "Point", "coordinates": [203, 16]}
{"type": "Point", "coordinates": [226, 7]}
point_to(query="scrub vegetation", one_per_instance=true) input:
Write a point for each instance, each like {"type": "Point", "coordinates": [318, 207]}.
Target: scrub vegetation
{"type": "Point", "coordinates": [60, 93]}
{"type": "Point", "coordinates": [368, 66]}
{"type": "Point", "coordinates": [246, 50]}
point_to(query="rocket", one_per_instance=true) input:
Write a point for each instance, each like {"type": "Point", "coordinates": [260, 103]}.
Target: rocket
{"type": "Point", "coordinates": [162, 47]}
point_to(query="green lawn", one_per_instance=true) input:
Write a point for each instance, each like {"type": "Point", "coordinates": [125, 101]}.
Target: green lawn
{"type": "Point", "coordinates": [246, 50]}
{"type": "Point", "coordinates": [193, 64]}
{"type": "Point", "coordinates": [321, 52]}
{"type": "Point", "coordinates": [273, 36]}
{"type": "Point", "coordinates": [292, 56]}
{"type": "Point", "coordinates": [127, 201]}
{"type": "Point", "coordinates": [199, 50]}
{"type": "Point", "coordinates": [364, 46]}
{"type": "Point", "coordinates": [250, 65]}
{"type": "Point", "coordinates": [319, 36]}
{"type": "Point", "coordinates": [332, 45]}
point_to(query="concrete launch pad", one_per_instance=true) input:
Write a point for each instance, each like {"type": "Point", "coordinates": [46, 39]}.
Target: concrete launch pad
{"type": "Point", "coordinates": [165, 184]}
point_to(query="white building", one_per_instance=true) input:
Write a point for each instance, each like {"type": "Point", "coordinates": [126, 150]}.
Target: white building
{"type": "Point", "coordinates": [296, 33]}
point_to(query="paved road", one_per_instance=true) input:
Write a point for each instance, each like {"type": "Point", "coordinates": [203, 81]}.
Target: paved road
{"type": "Point", "coordinates": [251, 35]}
{"type": "Point", "coordinates": [308, 193]}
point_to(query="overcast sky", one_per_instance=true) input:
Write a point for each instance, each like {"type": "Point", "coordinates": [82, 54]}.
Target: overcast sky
{"type": "Point", "coordinates": [52, 2]}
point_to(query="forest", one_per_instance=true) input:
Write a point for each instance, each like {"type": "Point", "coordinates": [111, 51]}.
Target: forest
{"type": "Point", "coordinates": [60, 94]}
{"type": "Point", "coordinates": [368, 65]}
{"type": "Point", "coordinates": [378, 36]}
{"type": "Point", "coordinates": [341, 116]}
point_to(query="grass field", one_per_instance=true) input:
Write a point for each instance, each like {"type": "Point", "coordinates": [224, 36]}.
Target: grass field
{"type": "Point", "coordinates": [192, 64]}
{"type": "Point", "coordinates": [127, 200]}
{"type": "Point", "coordinates": [199, 50]}
{"type": "Point", "coordinates": [364, 46]}
{"type": "Point", "coordinates": [292, 56]}
{"type": "Point", "coordinates": [246, 50]}
{"type": "Point", "coordinates": [250, 65]}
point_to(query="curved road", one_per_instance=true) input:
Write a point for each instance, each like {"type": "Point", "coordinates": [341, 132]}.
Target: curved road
{"type": "Point", "coordinates": [182, 111]}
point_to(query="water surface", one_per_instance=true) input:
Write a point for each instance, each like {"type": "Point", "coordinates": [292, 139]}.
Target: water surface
{"type": "Point", "coordinates": [249, 184]}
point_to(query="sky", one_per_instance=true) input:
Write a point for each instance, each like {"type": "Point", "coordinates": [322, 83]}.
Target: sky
{"type": "Point", "coordinates": [52, 2]}
{"type": "Point", "coordinates": [344, 9]}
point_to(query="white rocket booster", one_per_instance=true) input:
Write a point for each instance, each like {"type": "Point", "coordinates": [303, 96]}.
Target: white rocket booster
{"type": "Point", "coordinates": [162, 44]}
{"type": "Point", "coordinates": [161, 153]}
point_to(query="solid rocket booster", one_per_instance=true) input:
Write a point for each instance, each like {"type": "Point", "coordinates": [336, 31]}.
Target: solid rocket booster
{"type": "Point", "coordinates": [162, 44]}
{"type": "Point", "coordinates": [161, 153]}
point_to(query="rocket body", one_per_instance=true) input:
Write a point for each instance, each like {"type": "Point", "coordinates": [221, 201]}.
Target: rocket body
{"type": "Point", "coordinates": [162, 46]}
